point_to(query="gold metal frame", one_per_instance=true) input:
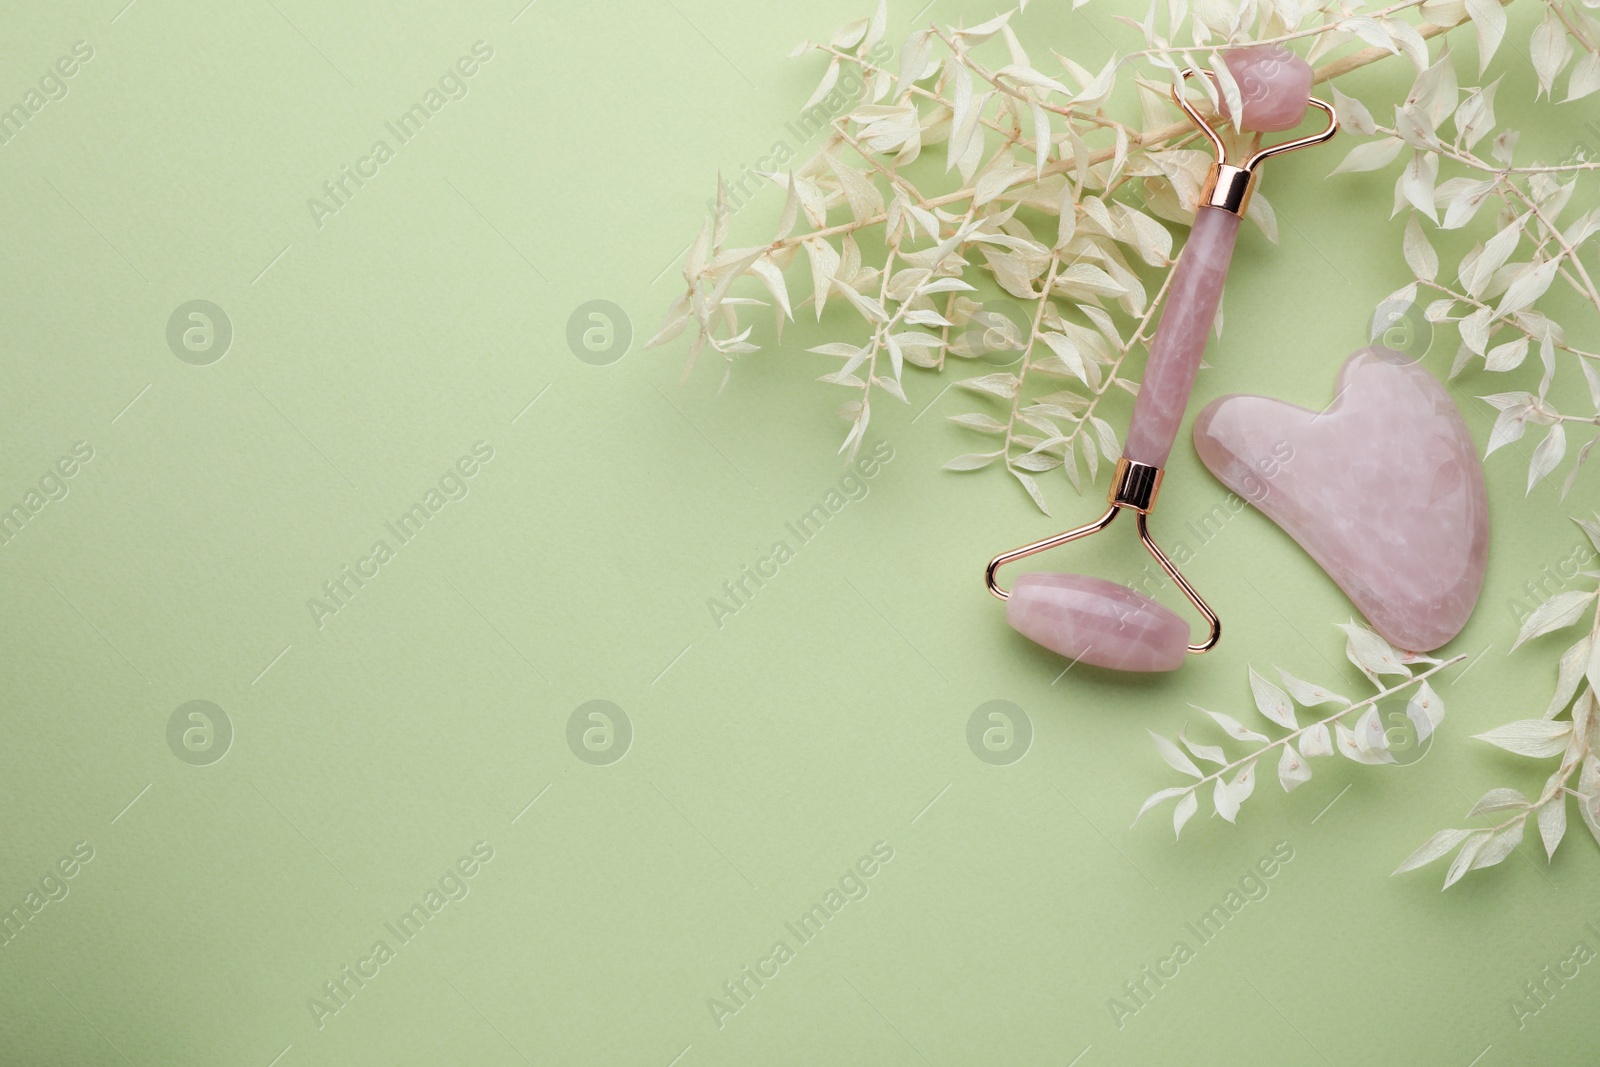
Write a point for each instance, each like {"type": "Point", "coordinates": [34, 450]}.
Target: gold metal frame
{"type": "Point", "coordinates": [1133, 487]}
{"type": "Point", "coordinates": [1228, 186]}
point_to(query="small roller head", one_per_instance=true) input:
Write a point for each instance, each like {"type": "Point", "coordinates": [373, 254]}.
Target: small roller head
{"type": "Point", "coordinates": [1094, 621]}
{"type": "Point", "coordinates": [1275, 85]}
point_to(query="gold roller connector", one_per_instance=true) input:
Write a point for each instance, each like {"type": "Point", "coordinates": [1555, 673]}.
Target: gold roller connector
{"type": "Point", "coordinates": [1228, 186]}
{"type": "Point", "coordinates": [1133, 488]}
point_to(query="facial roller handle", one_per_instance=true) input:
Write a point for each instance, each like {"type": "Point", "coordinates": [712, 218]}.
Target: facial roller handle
{"type": "Point", "coordinates": [1180, 339]}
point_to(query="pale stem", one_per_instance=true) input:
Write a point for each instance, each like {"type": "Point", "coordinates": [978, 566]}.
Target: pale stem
{"type": "Point", "coordinates": [1335, 717]}
{"type": "Point", "coordinates": [1511, 321]}
{"type": "Point", "coordinates": [1572, 27]}
{"type": "Point", "coordinates": [1587, 288]}
{"type": "Point", "coordinates": [1066, 111]}
{"type": "Point", "coordinates": [1027, 352]}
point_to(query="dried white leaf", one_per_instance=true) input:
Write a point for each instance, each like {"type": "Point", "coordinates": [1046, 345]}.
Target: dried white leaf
{"type": "Point", "coordinates": [1436, 846]}
{"type": "Point", "coordinates": [1293, 769]}
{"type": "Point", "coordinates": [1425, 710]}
{"type": "Point", "coordinates": [1037, 463]}
{"type": "Point", "coordinates": [1223, 799]}
{"type": "Point", "coordinates": [1550, 50]}
{"type": "Point", "coordinates": [1025, 75]}
{"type": "Point", "coordinates": [1371, 653]}
{"type": "Point", "coordinates": [1209, 753]}
{"type": "Point", "coordinates": [1272, 702]}
{"type": "Point", "coordinates": [1475, 330]}
{"type": "Point", "coordinates": [829, 78]}
{"type": "Point", "coordinates": [1528, 286]}
{"type": "Point", "coordinates": [1261, 213]}
{"type": "Point", "coordinates": [1315, 741]}
{"type": "Point", "coordinates": [1353, 115]}
{"type": "Point", "coordinates": [1350, 747]}
{"type": "Point", "coordinates": [1502, 799]}
{"type": "Point", "coordinates": [985, 30]}
{"type": "Point", "coordinates": [1032, 487]}
{"type": "Point", "coordinates": [1589, 794]}
{"type": "Point", "coordinates": [824, 265]}
{"type": "Point", "coordinates": [870, 308]}
{"type": "Point", "coordinates": [1068, 224]}
{"type": "Point", "coordinates": [1158, 797]}
{"type": "Point", "coordinates": [1507, 356]}
{"type": "Point", "coordinates": [1574, 663]}
{"type": "Point", "coordinates": [880, 22]}
{"type": "Point", "coordinates": [1417, 180]}
{"type": "Point", "coordinates": [1003, 385]}
{"type": "Point", "coordinates": [1469, 850]}
{"type": "Point", "coordinates": [1105, 437]}
{"type": "Point", "coordinates": [1232, 96]}
{"type": "Point", "coordinates": [972, 461]}
{"type": "Point", "coordinates": [1548, 455]}
{"type": "Point", "coordinates": [1475, 117]}
{"type": "Point", "coordinates": [1370, 736]}
{"type": "Point", "coordinates": [1508, 427]}
{"type": "Point", "coordinates": [772, 278]}
{"type": "Point", "coordinates": [1562, 609]}
{"type": "Point", "coordinates": [963, 120]}
{"type": "Point", "coordinates": [1095, 93]}
{"type": "Point", "coordinates": [914, 54]}
{"type": "Point", "coordinates": [860, 193]}
{"type": "Point", "coordinates": [677, 318]}
{"type": "Point", "coordinates": [1489, 20]}
{"type": "Point", "coordinates": [1373, 155]}
{"type": "Point", "coordinates": [1306, 693]}
{"type": "Point", "coordinates": [856, 354]}
{"type": "Point", "coordinates": [1371, 31]}
{"type": "Point", "coordinates": [1585, 77]}
{"type": "Point", "coordinates": [1234, 728]}
{"type": "Point", "coordinates": [891, 385]}
{"type": "Point", "coordinates": [1499, 846]}
{"type": "Point", "coordinates": [997, 181]}
{"type": "Point", "coordinates": [850, 34]}
{"type": "Point", "coordinates": [1409, 41]}
{"type": "Point", "coordinates": [1419, 253]}
{"type": "Point", "coordinates": [1553, 824]}
{"type": "Point", "coordinates": [1530, 737]}
{"type": "Point", "coordinates": [1243, 784]}
{"type": "Point", "coordinates": [1182, 813]}
{"type": "Point", "coordinates": [1174, 756]}
{"type": "Point", "coordinates": [980, 422]}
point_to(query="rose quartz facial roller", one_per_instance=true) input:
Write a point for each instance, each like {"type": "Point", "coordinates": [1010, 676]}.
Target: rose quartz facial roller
{"type": "Point", "coordinates": [1090, 619]}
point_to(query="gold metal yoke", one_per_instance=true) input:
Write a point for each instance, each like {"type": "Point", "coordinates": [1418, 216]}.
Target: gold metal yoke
{"type": "Point", "coordinates": [1133, 488]}
{"type": "Point", "coordinates": [1227, 186]}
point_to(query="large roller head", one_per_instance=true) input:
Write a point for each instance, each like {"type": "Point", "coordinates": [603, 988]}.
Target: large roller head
{"type": "Point", "coordinates": [1094, 621]}
{"type": "Point", "coordinates": [1274, 85]}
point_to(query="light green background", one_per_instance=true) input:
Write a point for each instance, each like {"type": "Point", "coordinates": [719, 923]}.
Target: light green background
{"type": "Point", "coordinates": [767, 755]}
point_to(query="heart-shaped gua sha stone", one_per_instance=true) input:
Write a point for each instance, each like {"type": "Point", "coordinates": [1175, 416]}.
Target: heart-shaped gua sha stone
{"type": "Point", "coordinates": [1383, 488]}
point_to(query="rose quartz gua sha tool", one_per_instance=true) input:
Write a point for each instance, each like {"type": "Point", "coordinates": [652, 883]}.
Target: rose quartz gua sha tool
{"type": "Point", "coordinates": [1385, 490]}
{"type": "Point", "coordinates": [1099, 622]}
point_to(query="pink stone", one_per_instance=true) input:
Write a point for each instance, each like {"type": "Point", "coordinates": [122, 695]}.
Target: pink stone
{"type": "Point", "coordinates": [1180, 339]}
{"type": "Point", "coordinates": [1274, 84]}
{"type": "Point", "coordinates": [1383, 488]}
{"type": "Point", "coordinates": [1091, 620]}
